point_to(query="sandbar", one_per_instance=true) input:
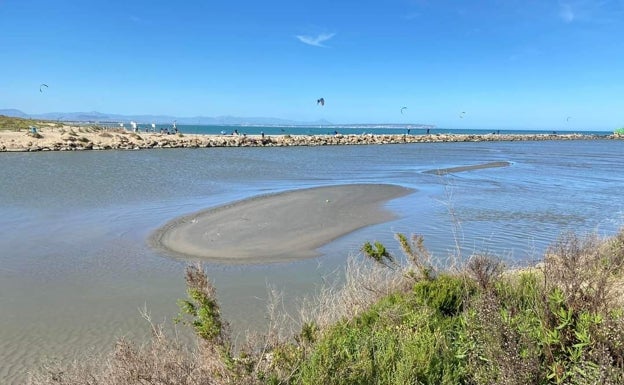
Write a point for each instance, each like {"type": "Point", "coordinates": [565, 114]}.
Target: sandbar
{"type": "Point", "coordinates": [444, 171]}
{"type": "Point", "coordinates": [279, 227]}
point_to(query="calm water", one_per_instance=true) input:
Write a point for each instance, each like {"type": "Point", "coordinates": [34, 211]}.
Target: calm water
{"type": "Point", "coordinates": [75, 267]}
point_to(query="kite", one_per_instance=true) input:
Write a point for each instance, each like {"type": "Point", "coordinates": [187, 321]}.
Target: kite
{"type": "Point", "coordinates": [41, 87]}
{"type": "Point", "coordinates": [320, 101]}
{"type": "Point", "coordinates": [403, 108]}
{"type": "Point", "coordinates": [568, 118]}
{"type": "Point", "coordinates": [461, 116]}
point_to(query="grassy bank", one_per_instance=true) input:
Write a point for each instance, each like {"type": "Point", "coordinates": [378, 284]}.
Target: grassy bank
{"type": "Point", "coordinates": [403, 320]}
{"type": "Point", "coordinates": [8, 123]}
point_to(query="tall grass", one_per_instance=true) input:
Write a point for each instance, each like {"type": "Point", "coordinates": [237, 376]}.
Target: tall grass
{"type": "Point", "coordinates": [403, 321]}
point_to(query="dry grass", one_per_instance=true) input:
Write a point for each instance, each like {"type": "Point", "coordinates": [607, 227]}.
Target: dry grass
{"type": "Point", "coordinates": [364, 284]}
{"type": "Point", "coordinates": [484, 269]}
{"type": "Point", "coordinates": [164, 360]}
{"type": "Point", "coordinates": [587, 269]}
{"type": "Point", "coordinates": [161, 361]}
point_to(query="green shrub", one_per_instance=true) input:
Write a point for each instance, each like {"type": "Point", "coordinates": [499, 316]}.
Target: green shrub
{"type": "Point", "coordinates": [445, 294]}
{"type": "Point", "coordinates": [536, 328]}
{"type": "Point", "coordinates": [202, 308]}
{"type": "Point", "coordinates": [405, 338]}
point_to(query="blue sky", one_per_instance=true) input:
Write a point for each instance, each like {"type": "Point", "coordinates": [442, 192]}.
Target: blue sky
{"type": "Point", "coordinates": [507, 64]}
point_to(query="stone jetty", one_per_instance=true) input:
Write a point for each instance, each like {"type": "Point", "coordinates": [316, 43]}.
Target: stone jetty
{"type": "Point", "coordinates": [77, 138]}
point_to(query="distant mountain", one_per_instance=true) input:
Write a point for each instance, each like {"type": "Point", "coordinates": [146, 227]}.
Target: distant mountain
{"type": "Point", "coordinates": [12, 112]}
{"type": "Point", "coordinates": [98, 117]}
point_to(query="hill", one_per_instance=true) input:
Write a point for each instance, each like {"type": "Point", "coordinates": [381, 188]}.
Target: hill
{"type": "Point", "coordinates": [99, 117]}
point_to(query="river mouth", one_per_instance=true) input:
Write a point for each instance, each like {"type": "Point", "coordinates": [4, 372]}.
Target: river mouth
{"type": "Point", "coordinates": [75, 265]}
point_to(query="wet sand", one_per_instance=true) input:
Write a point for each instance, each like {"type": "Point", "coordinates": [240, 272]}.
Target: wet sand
{"type": "Point", "coordinates": [279, 227]}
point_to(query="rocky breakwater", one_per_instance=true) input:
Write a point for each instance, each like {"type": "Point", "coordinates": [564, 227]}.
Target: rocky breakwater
{"type": "Point", "coordinates": [77, 139]}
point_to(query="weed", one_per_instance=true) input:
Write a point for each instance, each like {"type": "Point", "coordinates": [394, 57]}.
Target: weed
{"type": "Point", "coordinates": [419, 259]}
{"type": "Point", "coordinates": [485, 270]}
{"type": "Point", "coordinates": [584, 268]}
{"type": "Point", "coordinates": [202, 307]}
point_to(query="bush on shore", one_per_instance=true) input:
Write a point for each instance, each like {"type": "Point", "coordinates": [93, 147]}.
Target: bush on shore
{"type": "Point", "coordinates": [405, 321]}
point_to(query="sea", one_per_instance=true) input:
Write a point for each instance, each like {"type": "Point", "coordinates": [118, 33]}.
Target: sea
{"type": "Point", "coordinates": [347, 129]}
{"type": "Point", "coordinates": [77, 272]}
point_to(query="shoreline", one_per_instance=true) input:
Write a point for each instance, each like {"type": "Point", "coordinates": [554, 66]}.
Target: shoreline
{"type": "Point", "coordinates": [68, 138]}
{"type": "Point", "coordinates": [280, 227]}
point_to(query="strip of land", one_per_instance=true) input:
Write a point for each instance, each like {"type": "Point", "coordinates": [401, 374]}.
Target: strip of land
{"type": "Point", "coordinates": [451, 170]}
{"type": "Point", "coordinates": [70, 138]}
{"type": "Point", "coordinates": [280, 227]}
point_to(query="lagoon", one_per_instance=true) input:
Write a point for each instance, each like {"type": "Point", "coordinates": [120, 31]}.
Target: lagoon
{"type": "Point", "coordinates": [76, 265]}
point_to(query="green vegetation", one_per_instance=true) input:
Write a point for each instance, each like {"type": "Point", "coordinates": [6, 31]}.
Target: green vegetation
{"type": "Point", "coordinates": [202, 307]}
{"type": "Point", "coordinates": [17, 124]}
{"type": "Point", "coordinates": [406, 338]}
{"type": "Point", "coordinates": [409, 323]}
{"type": "Point", "coordinates": [8, 123]}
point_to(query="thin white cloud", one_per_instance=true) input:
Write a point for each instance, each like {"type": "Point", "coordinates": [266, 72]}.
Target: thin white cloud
{"type": "Point", "coordinates": [566, 13]}
{"type": "Point", "coordinates": [591, 11]}
{"type": "Point", "coordinates": [316, 41]}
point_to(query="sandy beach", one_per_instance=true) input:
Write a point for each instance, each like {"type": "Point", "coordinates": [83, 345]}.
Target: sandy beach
{"type": "Point", "coordinates": [72, 138]}
{"type": "Point", "coordinates": [279, 227]}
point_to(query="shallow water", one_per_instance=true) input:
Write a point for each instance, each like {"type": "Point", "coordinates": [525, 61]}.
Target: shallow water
{"type": "Point", "coordinates": [75, 266]}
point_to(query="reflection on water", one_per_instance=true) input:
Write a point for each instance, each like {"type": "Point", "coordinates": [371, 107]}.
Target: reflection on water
{"type": "Point", "coordinates": [75, 267]}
